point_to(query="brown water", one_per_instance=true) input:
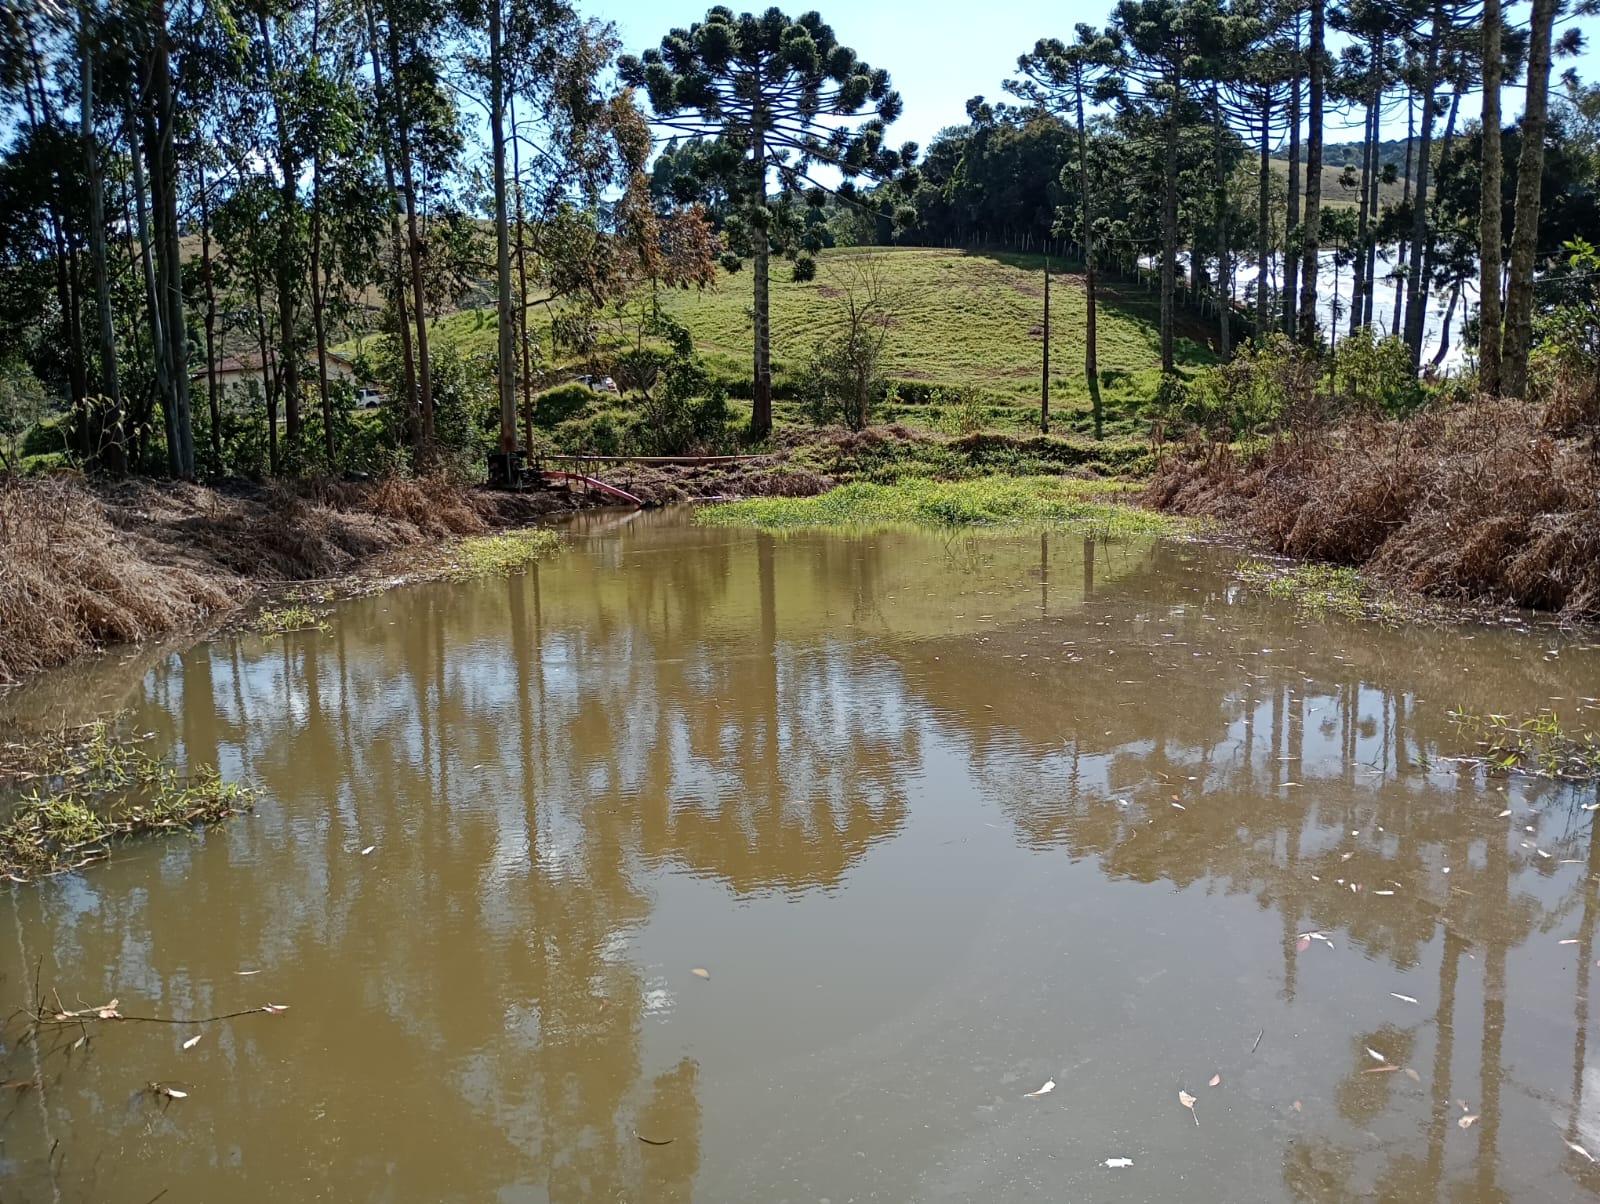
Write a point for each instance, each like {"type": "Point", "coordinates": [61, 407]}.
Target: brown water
{"type": "Point", "coordinates": [909, 799]}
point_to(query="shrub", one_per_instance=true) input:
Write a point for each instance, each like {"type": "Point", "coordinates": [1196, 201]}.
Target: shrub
{"type": "Point", "coordinates": [1375, 371]}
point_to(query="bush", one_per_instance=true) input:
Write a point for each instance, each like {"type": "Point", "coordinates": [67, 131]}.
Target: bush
{"type": "Point", "coordinates": [555, 406]}
{"type": "Point", "coordinates": [1375, 370]}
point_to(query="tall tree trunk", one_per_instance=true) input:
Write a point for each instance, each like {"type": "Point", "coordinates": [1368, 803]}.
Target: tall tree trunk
{"type": "Point", "coordinates": [269, 387]}
{"type": "Point", "coordinates": [522, 283]}
{"type": "Point", "coordinates": [1224, 276]}
{"type": "Point", "coordinates": [419, 295]}
{"type": "Point", "coordinates": [319, 325]}
{"type": "Point", "coordinates": [1291, 265]}
{"type": "Point", "coordinates": [112, 452]}
{"type": "Point", "coordinates": [1435, 217]}
{"type": "Point", "coordinates": [1369, 157]}
{"type": "Point", "coordinates": [761, 404]}
{"type": "Point", "coordinates": [1169, 227]}
{"type": "Point", "coordinates": [1444, 331]}
{"type": "Point", "coordinates": [1489, 215]}
{"type": "Point", "coordinates": [1313, 218]}
{"type": "Point", "coordinates": [1091, 352]}
{"type": "Point", "coordinates": [1416, 312]}
{"type": "Point", "coordinates": [1264, 217]}
{"type": "Point", "coordinates": [287, 274]}
{"type": "Point", "coordinates": [158, 354]}
{"type": "Point", "coordinates": [169, 261]}
{"type": "Point", "coordinates": [1405, 199]}
{"type": "Point", "coordinates": [506, 352]}
{"type": "Point", "coordinates": [208, 279]}
{"type": "Point", "coordinates": [1369, 304]}
{"type": "Point", "coordinates": [1525, 225]}
{"type": "Point", "coordinates": [413, 410]}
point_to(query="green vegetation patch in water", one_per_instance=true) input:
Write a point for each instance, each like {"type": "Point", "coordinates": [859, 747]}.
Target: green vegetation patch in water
{"type": "Point", "coordinates": [1008, 502]}
{"type": "Point", "coordinates": [93, 788]}
{"type": "Point", "coordinates": [496, 555]}
{"type": "Point", "coordinates": [1540, 745]}
{"type": "Point", "coordinates": [1321, 589]}
{"type": "Point", "coordinates": [291, 616]}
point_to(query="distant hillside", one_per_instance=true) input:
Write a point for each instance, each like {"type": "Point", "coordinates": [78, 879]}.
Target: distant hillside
{"type": "Point", "coordinates": [1336, 194]}
{"type": "Point", "coordinates": [1337, 154]}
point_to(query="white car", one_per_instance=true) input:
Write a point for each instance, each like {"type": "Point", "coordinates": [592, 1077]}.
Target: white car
{"type": "Point", "coordinates": [601, 384]}
{"type": "Point", "coordinates": [368, 399]}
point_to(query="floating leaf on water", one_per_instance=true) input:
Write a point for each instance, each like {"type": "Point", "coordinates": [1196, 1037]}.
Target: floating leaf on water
{"type": "Point", "coordinates": [1380, 1070]}
{"type": "Point", "coordinates": [1045, 1090]}
{"type": "Point", "coordinates": [1297, 1105]}
{"type": "Point", "coordinates": [368, 849]}
{"type": "Point", "coordinates": [1118, 1164]}
{"type": "Point", "coordinates": [1347, 856]}
{"type": "Point", "coordinates": [1383, 892]}
{"type": "Point", "coordinates": [1402, 998]}
{"type": "Point", "coordinates": [1303, 944]}
{"type": "Point", "coordinates": [275, 1008]}
{"type": "Point", "coordinates": [1189, 1101]}
{"type": "Point", "coordinates": [1568, 941]}
{"type": "Point", "coordinates": [1413, 1075]}
{"type": "Point", "coordinates": [192, 1041]}
{"type": "Point", "coordinates": [169, 1092]}
{"type": "Point", "coordinates": [1504, 813]}
{"type": "Point", "coordinates": [1375, 1055]}
{"type": "Point", "coordinates": [700, 972]}
{"type": "Point", "coordinates": [1216, 1081]}
{"type": "Point", "coordinates": [1466, 1121]}
{"type": "Point", "coordinates": [246, 973]}
{"type": "Point", "coordinates": [1578, 1149]}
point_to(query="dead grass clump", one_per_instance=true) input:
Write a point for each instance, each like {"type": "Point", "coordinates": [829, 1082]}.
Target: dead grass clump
{"type": "Point", "coordinates": [70, 581]}
{"type": "Point", "coordinates": [1477, 503]}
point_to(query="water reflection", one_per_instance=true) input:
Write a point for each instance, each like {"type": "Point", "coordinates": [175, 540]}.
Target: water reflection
{"type": "Point", "coordinates": [932, 809]}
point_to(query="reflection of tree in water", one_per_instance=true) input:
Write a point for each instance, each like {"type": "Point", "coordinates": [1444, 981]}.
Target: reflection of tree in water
{"type": "Point", "coordinates": [1275, 771]}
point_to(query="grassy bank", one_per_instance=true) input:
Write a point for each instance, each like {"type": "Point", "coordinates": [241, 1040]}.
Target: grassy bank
{"type": "Point", "coordinates": [84, 567]}
{"type": "Point", "coordinates": [1474, 504]}
{"type": "Point", "coordinates": [1007, 502]}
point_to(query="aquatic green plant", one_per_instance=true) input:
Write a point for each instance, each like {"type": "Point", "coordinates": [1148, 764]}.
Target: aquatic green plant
{"type": "Point", "coordinates": [1008, 502]}
{"type": "Point", "coordinates": [1321, 588]}
{"type": "Point", "coordinates": [93, 788]}
{"type": "Point", "coordinates": [1539, 745]}
{"type": "Point", "coordinates": [494, 555]}
{"type": "Point", "coordinates": [291, 616]}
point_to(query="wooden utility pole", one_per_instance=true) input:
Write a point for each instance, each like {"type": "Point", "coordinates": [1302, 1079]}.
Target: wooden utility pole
{"type": "Point", "coordinates": [1044, 389]}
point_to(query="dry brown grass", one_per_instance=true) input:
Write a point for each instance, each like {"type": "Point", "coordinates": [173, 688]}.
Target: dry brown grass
{"type": "Point", "coordinates": [1474, 503]}
{"type": "Point", "coordinates": [82, 568]}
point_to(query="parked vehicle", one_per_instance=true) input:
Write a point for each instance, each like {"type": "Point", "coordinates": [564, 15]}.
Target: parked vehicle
{"type": "Point", "coordinates": [600, 384]}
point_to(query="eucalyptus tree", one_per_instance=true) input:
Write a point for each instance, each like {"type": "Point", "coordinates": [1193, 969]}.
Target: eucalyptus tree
{"type": "Point", "coordinates": [785, 95]}
{"type": "Point", "coordinates": [1062, 78]}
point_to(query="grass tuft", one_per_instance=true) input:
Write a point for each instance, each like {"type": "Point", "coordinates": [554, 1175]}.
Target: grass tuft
{"type": "Point", "coordinates": [1004, 502]}
{"type": "Point", "coordinates": [94, 788]}
{"type": "Point", "coordinates": [1539, 745]}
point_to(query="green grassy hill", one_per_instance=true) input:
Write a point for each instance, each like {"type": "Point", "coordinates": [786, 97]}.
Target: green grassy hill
{"type": "Point", "coordinates": [957, 318]}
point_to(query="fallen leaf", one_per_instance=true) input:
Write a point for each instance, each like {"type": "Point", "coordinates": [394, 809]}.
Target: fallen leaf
{"type": "Point", "coordinates": [368, 849]}
{"type": "Point", "coordinates": [170, 1092]}
{"type": "Point", "coordinates": [1347, 856]}
{"type": "Point", "coordinates": [275, 1008]}
{"type": "Point", "coordinates": [1375, 1055]}
{"type": "Point", "coordinates": [193, 1041]}
{"type": "Point", "coordinates": [1504, 813]}
{"type": "Point", "coordinates": [1118, 1164]}
{"type": "Point", "coordinates": [1413, 1075]}
{"type": "Point", "coordinates": [1045, 1090]}
{"type": "Point", "coordinates": [1578, 1149]}
{"type": "Point", "coordinates": [1383, 892]}
{"type": "Point", "coordinates": [1402, 998]}
{"type": "Point", "coordinates": [1569, 941]}
{"type": "Point", "coordinates": [1466, 1121]}
{"type": "Point", "coordinates": [1216, 1080]}
{"type": "Point", "coordinates": [1380, 1070]}
{"type": "Point", "coordinates": [246, 973]}
{"type": "Point", "coordinates": [701, 972]}
{"type": "Point", "coordinates": [1189, 1101]}
{"type": "Point", "coordinates": [1303, 944]}
{"type": "Point", "coordinates": [1179, 807]}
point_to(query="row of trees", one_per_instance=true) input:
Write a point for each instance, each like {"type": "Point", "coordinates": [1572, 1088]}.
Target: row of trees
{"type": "Point", "coordinates": [217, 180]}
{"type": "Point", "coordinates": [220, 177]}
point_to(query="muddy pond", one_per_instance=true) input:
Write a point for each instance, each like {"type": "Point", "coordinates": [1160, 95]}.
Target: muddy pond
{"type": "Point", "coordinates": [708, 864]}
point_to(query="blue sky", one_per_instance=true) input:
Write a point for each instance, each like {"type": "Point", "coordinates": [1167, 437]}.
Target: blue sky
{"type": "Point", "coordinates": [940, 52]}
